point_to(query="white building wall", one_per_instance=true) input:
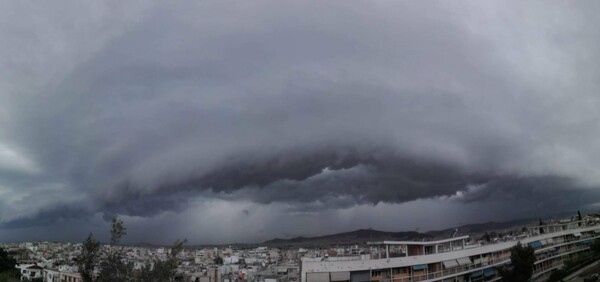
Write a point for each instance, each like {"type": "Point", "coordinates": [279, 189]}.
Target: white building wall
{"type": "Point", "coordinates": [333, 264]}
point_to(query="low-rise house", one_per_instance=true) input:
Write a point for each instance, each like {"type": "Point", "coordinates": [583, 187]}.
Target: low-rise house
{"type": "Point", "coordinates": [30, 271]}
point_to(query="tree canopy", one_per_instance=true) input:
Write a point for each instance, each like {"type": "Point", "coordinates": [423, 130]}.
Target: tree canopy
{"type": "Point", "coordinates": [115, 268]}
{"type": "Point", "coordinates": [88, 257]}
{"type": "Point", "coordinates": [7, 266]}
{"type": "Point", "coordinates": [596, 247]}
{"type": "Point", "coordinates": [522, 260]}
{"type": "Point", "coordinates": [6, 262]}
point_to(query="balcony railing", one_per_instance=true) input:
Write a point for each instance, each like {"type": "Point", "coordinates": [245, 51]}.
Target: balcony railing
{"type": "Point", "coordinates": [443, 273]}
{"type": "Point", "coordinates": [480, 266]}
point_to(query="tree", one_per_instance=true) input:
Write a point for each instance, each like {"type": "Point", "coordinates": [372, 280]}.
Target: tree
{"type": "Point", "coordinates": [522, 260]}
{"type": "Point", "coordinates": [486, 237]}
{"type": "Point", "coordinates": [596, 247]}
{"type": "Point", "coordinates": [162, 270]}
{"type": "Point", "coordinates": [117, 231]}
{"type": "Point", "coordinates": [7, 266]}
{"type": "Point", "coordinates": [8, 277]}
{"type": "Point", "coordinates": [6, 262]}
{"type": "Point", "coordinates": [114, 268]}
{"type": "Point", "coordinates": [88, 258]}
{"type": "Point", "coordinates": [558, 275]}
{"type": "Point", "coordinates": [218, 260]}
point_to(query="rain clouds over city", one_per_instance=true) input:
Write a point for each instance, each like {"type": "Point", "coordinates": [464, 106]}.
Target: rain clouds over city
{"type": "Point", "coordinates": [240, 122]}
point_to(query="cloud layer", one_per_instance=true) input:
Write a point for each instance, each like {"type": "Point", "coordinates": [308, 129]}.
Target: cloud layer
{"type": "Point", "coordinates": [312, 107]}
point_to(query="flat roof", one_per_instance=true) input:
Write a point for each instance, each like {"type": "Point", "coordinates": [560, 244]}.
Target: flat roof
{"type": "Point", "coordinates": [419, 242]}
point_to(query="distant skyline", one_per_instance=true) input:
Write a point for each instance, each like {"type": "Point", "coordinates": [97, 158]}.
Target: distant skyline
{"type": "Point", "coordinates": [240, 122]}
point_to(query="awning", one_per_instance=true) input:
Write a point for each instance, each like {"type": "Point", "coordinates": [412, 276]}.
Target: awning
{"type": "Point", "coordinates": [317, 277]}
{"type": "Point", "coordinates": [450, 263]}
{"type": "Point", "coordinates": [535, 244]}
{"type": "Point", "coordinates": [597, 231]}
{"type": "Point", "coordinates": [577, 234]}
{"type": "Point", "coordinates": [419, 267]}
{"type": "Point", "coordinates": [489, 272]}
{"type": "Point", "coordinates": [543, 242]}
{"type": "Point", "coordinates": [464, 261]}
{"type": "Point", "coordinates": [340, 276]}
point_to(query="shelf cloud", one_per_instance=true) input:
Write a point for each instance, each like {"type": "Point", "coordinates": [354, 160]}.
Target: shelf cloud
{"type": "Point", "coordinates": [147, 110]}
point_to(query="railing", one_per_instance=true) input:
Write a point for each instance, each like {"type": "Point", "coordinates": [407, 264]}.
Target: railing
{"type": "Point", "coordinates": [565, 252]}
{"type": "Point", "coordinates": [565, 242]}
{"type": "Point", "coordinates": [547, 268]}
{"type": "Point", "coordinates": [480, 266]}
{"type": "Point", "coordinates": [473, 267]}
{"type": "Point", "coordinates": [443, 273]}
{"type": "Point", "coordinates": [570, 226]}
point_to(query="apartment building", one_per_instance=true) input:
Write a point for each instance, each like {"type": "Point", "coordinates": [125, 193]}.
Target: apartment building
{"type": "Point", "coordinates": [454, 259]}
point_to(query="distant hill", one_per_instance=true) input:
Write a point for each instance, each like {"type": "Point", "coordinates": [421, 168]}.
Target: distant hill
{"type": "Point", "coordinates": [363, 235]}
{"type": "Point", "coordinates": [478, 228]}
{"type": "Point", "coordinates": [353, 237]}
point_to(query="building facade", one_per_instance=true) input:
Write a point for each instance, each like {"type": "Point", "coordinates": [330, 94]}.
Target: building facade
{"type": "Point", "coordinates": [454, 259]}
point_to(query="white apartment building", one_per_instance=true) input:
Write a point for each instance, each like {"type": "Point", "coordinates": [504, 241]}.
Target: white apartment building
{"type": "Point", "coordinates": [453, 259]}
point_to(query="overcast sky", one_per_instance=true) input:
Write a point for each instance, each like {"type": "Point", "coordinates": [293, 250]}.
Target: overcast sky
{"type": "Point", "coordinates": [221, 121]}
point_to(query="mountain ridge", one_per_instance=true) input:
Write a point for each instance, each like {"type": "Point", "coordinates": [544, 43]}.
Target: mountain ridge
{"type": "Point", "coordinates": [360, 236]}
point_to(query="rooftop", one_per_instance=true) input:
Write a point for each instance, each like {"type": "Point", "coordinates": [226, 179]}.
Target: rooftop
{"type": "Point", "coordinates": [420, 243]}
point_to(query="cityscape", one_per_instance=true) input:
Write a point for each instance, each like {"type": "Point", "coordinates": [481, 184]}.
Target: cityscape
{"type": "Point", "coordinates": [561, 248]}
{"type": "Point", "coordinates": [299, 141]}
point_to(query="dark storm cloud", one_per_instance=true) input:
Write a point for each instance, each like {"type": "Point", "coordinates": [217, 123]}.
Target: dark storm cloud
{"type": "Point", "coordinates": [48, 217]}
{"type": "Point", "coordinates": [370, 178]}
{"type": "Point", "coordinates": [317, 105]}
{"type": "Point", "coordinates": [348, 182]}
{"type": "Point", "coordinates": [323, 175]}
